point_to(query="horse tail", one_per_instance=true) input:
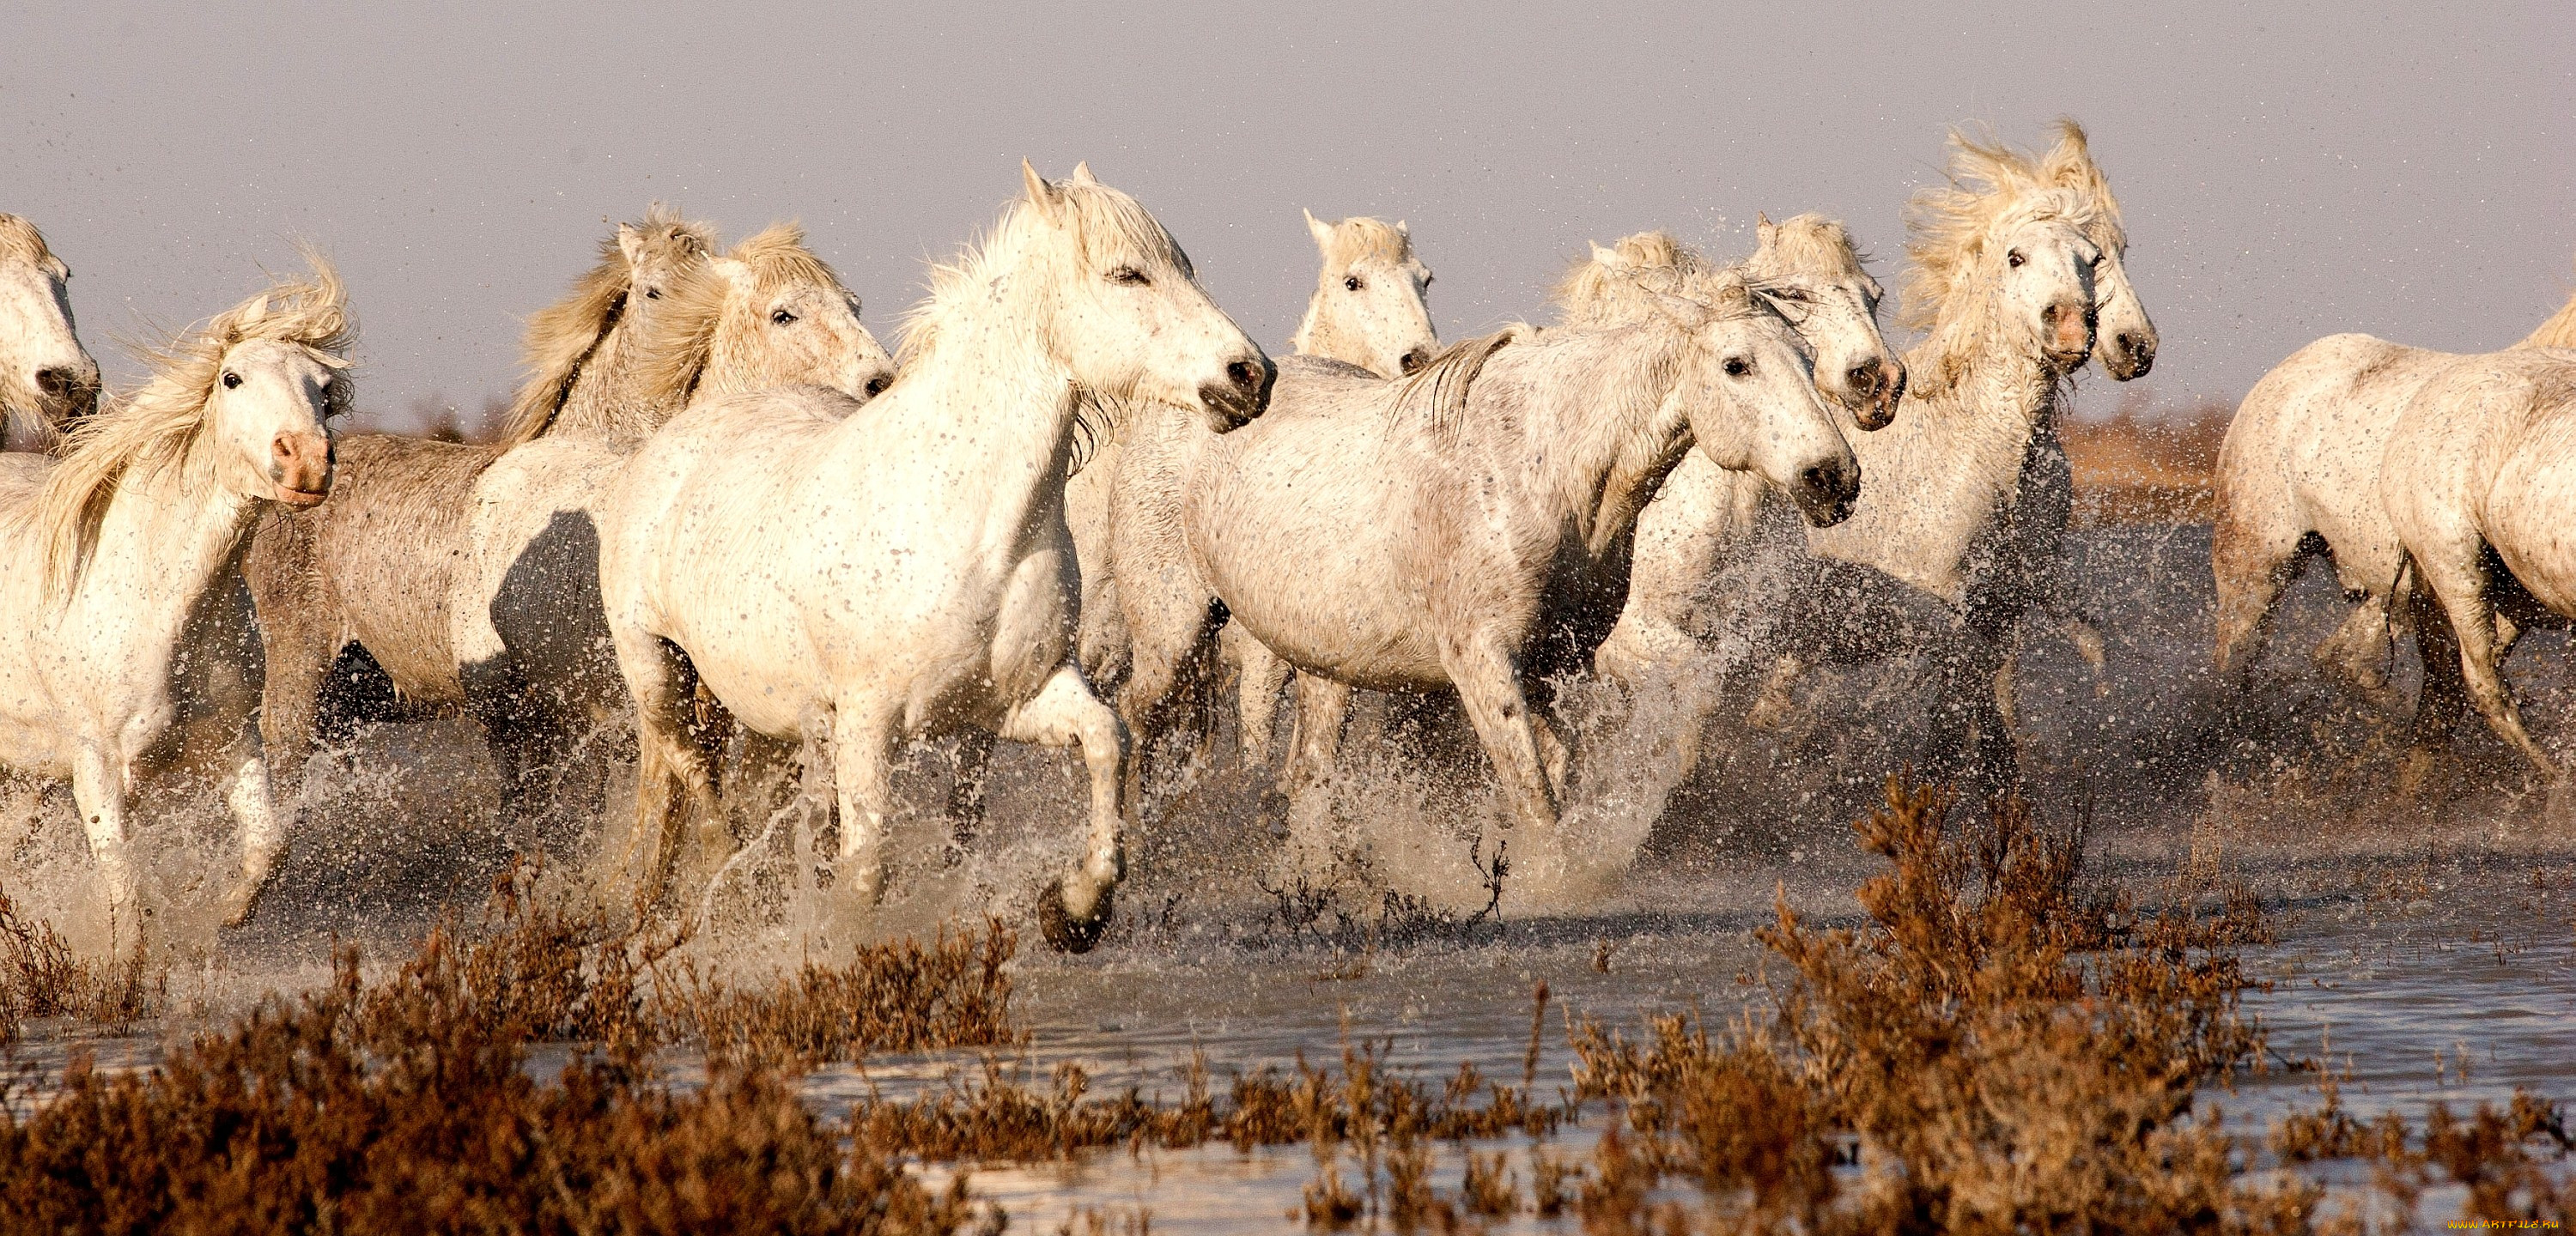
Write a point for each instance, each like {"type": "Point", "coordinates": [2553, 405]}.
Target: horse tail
{"type": "Point", "coordinates": [1440, 388]}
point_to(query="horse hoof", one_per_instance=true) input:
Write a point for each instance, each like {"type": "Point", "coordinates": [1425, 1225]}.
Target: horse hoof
{"type": "Point", "coordinates": [1062, 931]}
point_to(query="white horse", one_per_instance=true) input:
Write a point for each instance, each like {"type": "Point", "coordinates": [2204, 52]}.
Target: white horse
{"type": "Point", "coordinates": [1959, 528]}
{"type": "Point", "coordinates": [47, 379]}
{"type": "Point", "coordinates": [906, 569]}
{"type": "Point", "coordinates": [2298, 476]}
{"type": "Point", "coordinates": [114, 554]}
{"type": "Point", "coordinates": [1809, 269]}
{"type": "Point", "coordinates": [524, 617]}
{"type": "Point", "coordinates": [1466, 528]}
{"type": "Point", "coordinates": [1369, 309]}
{"type": "Point", "coordinates": [2480, 471]}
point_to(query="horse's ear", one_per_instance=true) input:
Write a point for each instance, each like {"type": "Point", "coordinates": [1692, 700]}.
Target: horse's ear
{"type": "Point", "coordinates": [2069, 164]}
{"type": "Point", "coordinates": [1763, 228]}
{"type": "Point", "coordinates": [735, 271]}
{"type": "Point", "coordinates": [1082, 173]}
{"type": "Point", "coordinates": [631, 243]}
{"type": "Point", "coordinates": [1402, 230]}
{"type": "Point", "coordinates": [1607, 259]}
{"type": "Point", "coordinates": [1042, 196]}
{"type": "Point", "coordinates": [1320, 230]}
{"type": "Point", "coordinates": [1684, 312]}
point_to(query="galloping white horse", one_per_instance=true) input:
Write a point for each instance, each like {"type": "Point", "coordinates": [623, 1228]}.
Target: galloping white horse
{"type": "Point", "coordinates": [47, 379]}
{"type": "Point", "coordinates": [1810, 270]}
{"type": "Point", "coordinates": [524, 617]}
{"type": "Point", "coordinates": [2480, 470]}
{"type": "Point", "coordinates": [109, 555]}
{"type": "Point", "coordinates": [2298, 475]}
{"type": "Point", "coordinates": [1967, 492]}
{"type": "Point", "coordinates": [905, 568]}
{"type": "Point", "coordinates": [1369, 309]}
{"type": "Point", "coordinates": [1465, 528]}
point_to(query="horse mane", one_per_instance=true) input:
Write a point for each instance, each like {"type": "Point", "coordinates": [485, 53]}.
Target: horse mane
{"type": "Point", "coordinates": [1359, 238]}
{"type": "Point", "coordinates": [684, 332]}
{"type": "Point", "coordinates": [1594, 294]}
{"type": "Point", "coordinates": [1807, 244]}
{"type": "Point", "coordinates": [2558, 332]}
{"type": "Point", "coordinates": [20, 240]}
{"type": "Point", "coordinates": [160, 424]}
{"type": "Point", "coordinates": [1107, 224]}
{"type": "Point", "coordinates": [1438, 391]}
{"type": "Point", "coordinates": [563, 336]}
{"type": "Point", "coordinates": [1989, 186]}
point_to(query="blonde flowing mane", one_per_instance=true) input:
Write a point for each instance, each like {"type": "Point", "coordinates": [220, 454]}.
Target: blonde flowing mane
{"type": "Point", "coordinates": [2558, 332]}
{"type": "Point", "coordinates": [159, 426]}
{"type": "Point", "coordinates": [563, 336]}
{"type": "Point", "coordinates": [1991, 187]}
{"type": "Point", "coordinates": [694, 309]}
{"type": "Point", "coordinates": [20, 240]}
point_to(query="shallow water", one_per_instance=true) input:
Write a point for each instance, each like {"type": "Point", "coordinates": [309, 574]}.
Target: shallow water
{"type": "Point", "coordinates": [2425, 948]}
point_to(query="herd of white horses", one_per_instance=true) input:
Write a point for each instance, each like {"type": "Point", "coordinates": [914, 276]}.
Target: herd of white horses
{"type": "Point", "coordinates": [1079, 493]}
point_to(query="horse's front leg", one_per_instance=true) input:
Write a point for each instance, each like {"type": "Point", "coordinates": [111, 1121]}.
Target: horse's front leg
{"type": "Point", "coordinates": [974, 773]}
{"type": "Point", "coordinates": [1075, 910]}
{"type": "Point", "coordinates": [1489, 684]}
{"type": "Point", "coordinates": [98, 787]}
{"type": "Point", "coordinates": [675, 773]}
{"type": "Point", "coordinates": [1260, 675]}
{"type": "Point", "coordinates": [863, 737]}
{"type": "Point", "coordinates": [263, 834]}
{"type": "Point", "coordinates": [1315, 737]}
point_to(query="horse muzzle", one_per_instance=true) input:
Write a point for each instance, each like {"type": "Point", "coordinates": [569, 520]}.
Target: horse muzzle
{"type": "Point", "coordinates": [2067, 332]}
{"type": "Point", "coordinates": [1872, 389]}
{"type": "Point", "coordinates": [1241, 395]}
{"type": "Point", "coordinates": [2131, 356]}
{"type": "Point", "coordinates": [299, 466]}
{"type": "Point", "coordinates": [1825, 492]}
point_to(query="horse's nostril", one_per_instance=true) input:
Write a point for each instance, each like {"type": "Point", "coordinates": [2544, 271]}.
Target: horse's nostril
{"type": "Point", "coordinates": [1863, 377]}
{"type": "Point", "coordinates": [878, 384]}
{"type": "Point", "coordinates": [1246, 377]}
{"type": "Point", "coordinates": [54, 382]}
{"type": "Point", "coordinates": [1414, 360]}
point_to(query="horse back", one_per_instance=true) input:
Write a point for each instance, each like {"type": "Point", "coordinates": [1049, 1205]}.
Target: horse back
{"type": "Point", "coordinates": [376, 563]}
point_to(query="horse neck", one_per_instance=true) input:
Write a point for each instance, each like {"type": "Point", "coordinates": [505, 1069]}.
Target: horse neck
{"type": "Point", "coordinates": [1601, 458]}
{"type": "Point", "coordinates": [165, 539]}
{"type": "Point", "coordinates": [607, 397]}
{"type": "Point", "coordinates": [1318, 335]}
{"type": "Point", "coordinates": [1937, 478]}
{"type": "Point", "coordinates": [986, 412]}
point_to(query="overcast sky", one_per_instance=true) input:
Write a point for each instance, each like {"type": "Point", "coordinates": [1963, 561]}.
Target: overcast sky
{"type": "Point", "coordinates": [2287, 170]}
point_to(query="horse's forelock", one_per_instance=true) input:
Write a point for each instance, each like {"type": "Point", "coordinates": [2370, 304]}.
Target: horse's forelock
{"type": "Point", "coordinates": [1360, 238]}
{"type": "Point", "coordinates": [1809, 244]}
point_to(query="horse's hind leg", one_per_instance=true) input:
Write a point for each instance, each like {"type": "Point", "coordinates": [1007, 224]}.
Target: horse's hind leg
{"type": "Point", "coordinates": [1075, 909]}
{"type": "Point", "coordinates": [675, 772]}
{"type": "Point", "coordinates": [2251, 565]}
{"type": "Point", "coordinates": [863, 737]}
{"type": "Point", "coordinates": [2459, 578]}
{"type": "Point", "coordinates": [1488, 681]}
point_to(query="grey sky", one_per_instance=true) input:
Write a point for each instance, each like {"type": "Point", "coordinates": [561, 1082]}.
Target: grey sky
{"type": "Point", "coordinates": [2288, 171]}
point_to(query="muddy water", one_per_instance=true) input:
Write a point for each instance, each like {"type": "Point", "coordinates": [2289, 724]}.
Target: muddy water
{"type": "Point", "coordinates": [2427, 949]}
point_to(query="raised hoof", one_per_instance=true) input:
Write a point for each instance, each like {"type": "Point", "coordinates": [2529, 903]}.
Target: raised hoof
{"type": "Point", "coordinates": [1063, 932]}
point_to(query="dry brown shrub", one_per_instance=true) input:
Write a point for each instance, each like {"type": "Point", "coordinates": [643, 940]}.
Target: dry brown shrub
{"type": "Point", "coordinates": [900, 996]}
{"type": "Point", "coordinates": [406, 1106]}
{"type": "Point", "coordinates": [40, 977]}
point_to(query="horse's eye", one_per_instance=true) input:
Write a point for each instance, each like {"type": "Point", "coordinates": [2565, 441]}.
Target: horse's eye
{"type": "Point", "coordinates": [652, 293]}
{"type": "Point", "coordinates": [1737, 366]}
{"type": "Point", "coordinates": [232, 381]}
{"type": "Point", "coordinates": [781, 317]}
{"type": "Point", "coordinates": [1352, 282]}
{"type": "Point", "coordinates": [2014, 258]}
{"type": "Point", "coordinates": [1129, 276]}
{"type": "Point", "coordinates": [1798, 295]}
